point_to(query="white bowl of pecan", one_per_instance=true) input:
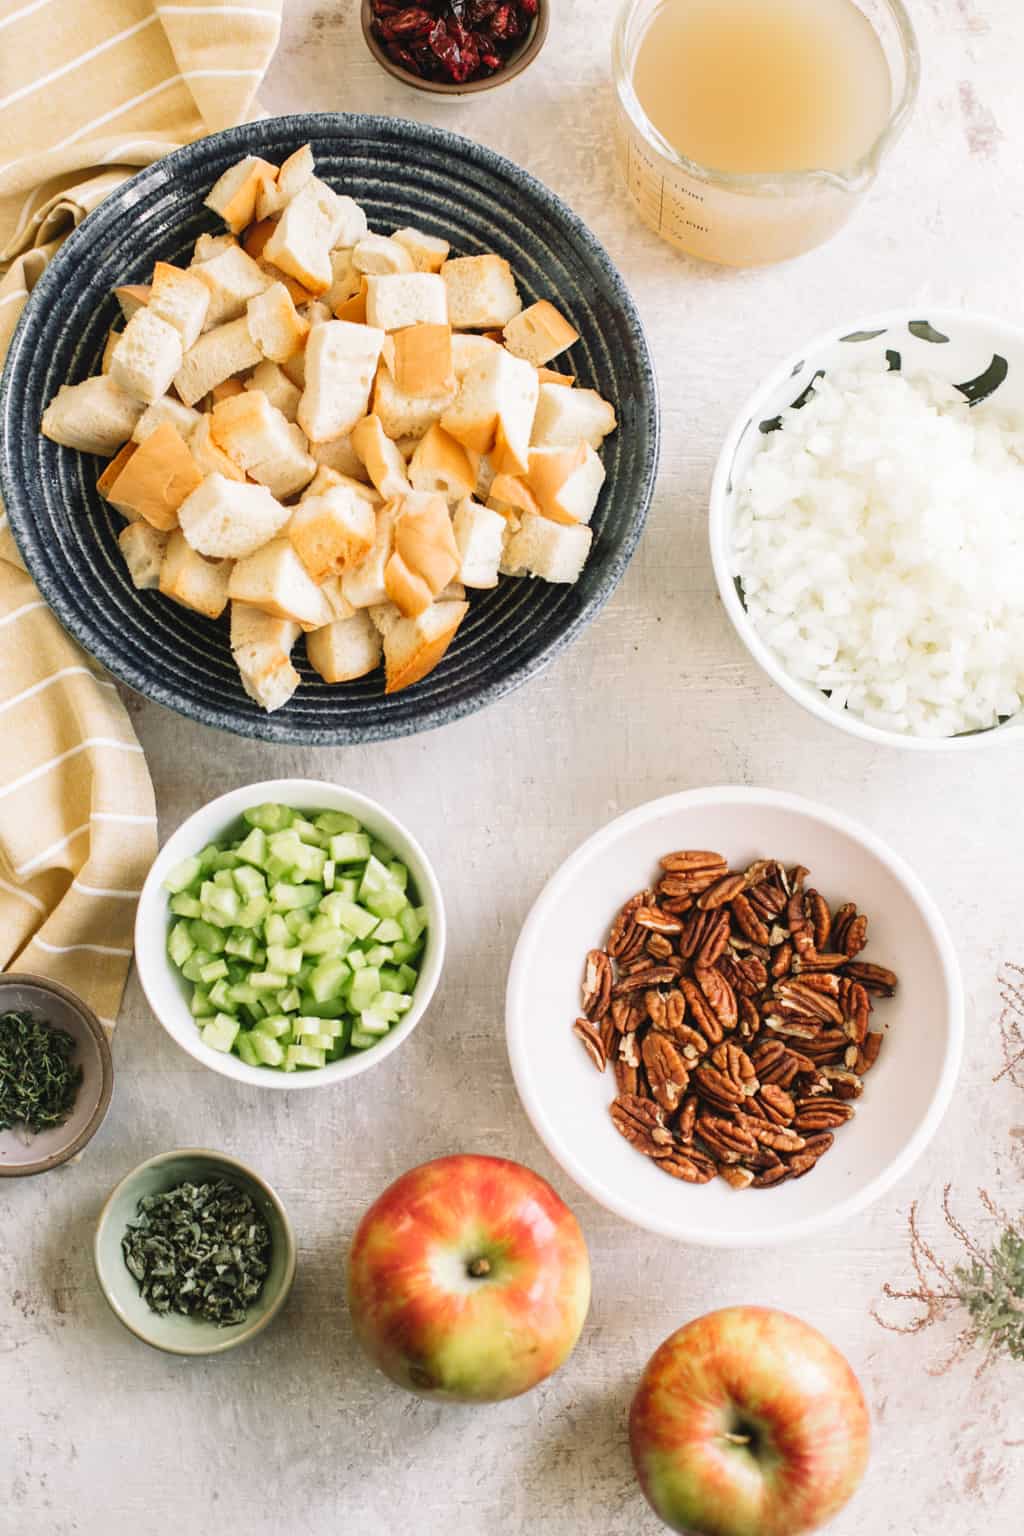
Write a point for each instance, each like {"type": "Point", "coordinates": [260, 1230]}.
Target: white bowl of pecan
{"type": "Point", "coordinates": [771, 1000]}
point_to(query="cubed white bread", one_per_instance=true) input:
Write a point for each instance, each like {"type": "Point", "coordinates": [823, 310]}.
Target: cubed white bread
{"type": "Point", "coordinates": [354, 309]}
{"type": "Point", "coordinates": [380, 255]}
{"type": "Point", "coordinates": [275, 579]}
{"type": "Point", "coordinates": [455, 591]}
{"type": "Point", "coordinates": [364, 585]}
{"type": "Point", "coordinates": [225, 390]}
{"type": "Point", "coordinates": [410, 298]}
{"type": "Point", "coordinates": [156, 480]}
{"type": "Point", "coordinates": [195, 583]}
{"type": "Point", "coordinates": [481, 292]}
{"type": "Point", "coordinates": [413, 647]}
{"type": "Point", "coordinates": [211, 459]}
{"type": "Point", "coordinates": [95, 416]}
{"type": "Point", "coordinates": [132, 297]}
{"type": "Point", "coordinates": [381, 459]}
{"type": "Point", "coordinates": [485, 477]}
{"type": "Point", "coordinates": [442, 464]}
{"type": "Point", "coordinates": [255, 241]}
{"type": "Point", "coordinates": [182, 299]}
{"type": "Point", "coordinates": [338, 454]}
{"type": "Point", "coordinates": [275, 325]}
{"type": "Point", "coordinates": [147, 356]}
{"type": "Point", "coordinates": [519, 391]}
{"type": "Point", "coordinates": [251, 626]}
{"type": "Point", "coordinates": [425, 551]}
{"type": "Point", "coordinates": [346, 281]}
{"type": "Point", "coordinates": [468, 349]}
{"type": "Point", "coordinates": [494, 408]}
{"type": "Point", "coordinates": [113, 337]}
{"type": "Point", "coordinates": [511, 496]}
{"type": "Point", "coordinates": [229, 519]}
{"type": "Point", "coordinates": [316, 312]}
{"type": "Point", "coordinates": [291, 178]}
{"type": "Point", "coordinates": [262, 441]}
{"type": "Point", "coordinates": [428, 253]}
{"type": "Point", "coordinates": [345, 650]}
{"type": "Point", "coordinates": [232, 279]}
{"type": "Point", "coordinates": [327, 478]}
{"type": "Point", "coordinates": [554, 551]}
{"type": "Point", "coordinates": [209, 246]}
{"type": "Point", "coordinates": [216, 356]}
{"type": "Point", "coordinates": [114, 468]}
{"type": "Point", "coordinates": [539, 333]}
{"type": "Point", "coordinates": [566, 482]}
{"type": "Point", "coordinates": [419, 358]}
{"type": "Point", "coordinates": [406, 415]}
{"type": "Point", "coordinates": [314, 222]}
{"type": "Point", "coordinates": [261, 645]}
{"type": "Point", "coordinates": [336, 600]}
{"type": "Point", "coordinates": [479, 537]}
{"type": "Point", "coordinates": [143, 548]}
{"type": "Point", "coordinates": [273, 382]}
{"type": "Point", "coordinates": [181, 417]}
{"type": "Point", "coordinates": [294, 370]}
{"type": "Point", "coordinates": [384, 617]}
{"type": "Point", "coordinates": [233, 195]}
{"type": "Point", "coordinates": [552, 376]}
{"type": "Point", "coordinates": [341, 360]}
{"type": "Point", "coordinates": [565, 417]}
{"type": "Point", "coordinates": [332, 533]}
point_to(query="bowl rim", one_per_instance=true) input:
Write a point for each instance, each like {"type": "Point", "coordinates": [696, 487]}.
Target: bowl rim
{"type": "Point", "coordinates": [96, 1031]}
{"type": "Point", "coordinates": [555, 891]}
{"type": "Point", "coordinates": [101, 643]}
{"type": "Point", "coordinates": [518, 62]}
{"type": "Point", "coordinates": [719, 527]}
{"type": "Point", "coordinates": [182, 842]}
{"type": "Point", "coordinates": [235, 1165]}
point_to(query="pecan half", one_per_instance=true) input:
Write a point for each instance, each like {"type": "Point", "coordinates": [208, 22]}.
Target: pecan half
{"type": "Point", "coordinates": [820, 919]}
{"type": "Point", "coordinates": [641, 1123]}
{"type": "Point", "coordinates": [597, 985]}
{"type": "Point", "coordinates": [720, 997]}
{"type": "Point", "coordinates": [667, 1072]}
{"type": "Point", "coordinates": [657, 921]}
{"type": "Point", "coordinates": [591, 1042]}
{"type": "Point", "coordinates": [738, 1177]}
{"type": "Point", "coordinates": [722, 892]}
{"type": "Point", "coordinates": [640, 980]}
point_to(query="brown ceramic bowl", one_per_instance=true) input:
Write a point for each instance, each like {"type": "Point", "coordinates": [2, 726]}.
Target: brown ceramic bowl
{"type": "Point", "coordinates": [21, 1154]}
{"type": "Point", "coordinates": [518, 61]}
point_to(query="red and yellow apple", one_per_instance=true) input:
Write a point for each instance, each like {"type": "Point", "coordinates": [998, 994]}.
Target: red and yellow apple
{"type": "Point", "coordinates": [748, 1422]}
{"type": "Point", "coordinates": [468, 1280]}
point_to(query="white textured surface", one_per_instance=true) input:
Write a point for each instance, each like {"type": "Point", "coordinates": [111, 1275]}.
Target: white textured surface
{"type": "Point", "coordinates": [295, 1433]}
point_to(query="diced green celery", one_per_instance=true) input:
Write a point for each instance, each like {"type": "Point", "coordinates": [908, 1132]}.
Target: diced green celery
{"type": "Point", "coordinates": [278, 869]}
{"type": "Point", "coordinates": [213, 971]}
{"type": "Point", "coordinates": [347, 914]}
{"type": "Point", "coordinates": [184, 905]}
{"type": "Point", "coordinates": [224, 878]}
{"type": "Point", "coordinates": [207, 856]}
{"type": "Point", "coordinates": [318, 1041]}
{"type": "Point", "coordinates": [286, 960]}
{"type": "Point", "coordinates": [329, 978]}
{"type": "Point", "coordinates": [387, 931]}
{"type": "Point", "coordinates": [220, 997]}
{"type": "Point", "coordinates": [413, 921]}
{"type": "Point", "coordinates": [346, 886]}
{"type": "Point", "coordinates": [392, 1002]}
{"type": "Point", "coordinates": [267, 981]}
{"type": "Point", "coordinates": [244, 995]}
{"type": "Point", "coordinates": [194, 964]}
{"type": "Point", "coordinates": [297, 923]}
{"type": "Point", "coordinates": [378, 954]}
{"type": "Point", "coordinates": [373, 1022]}
{"type": "Point", "coordinates": [404, 951]}
{"type": "Point", "coordinates": [245, 1049]}
{"type": "Point", "coordinates": [253, 848]}
{"type": "Point", "coordinates": [183, 875]}
{"type": "Point", "coordinates": [276, 930]}
{"type": "Point", "coordinates": [328, 873]}
{"type": "Point", "coordinates": [341, 1042]}
{"type": "Point", "coordinates": [242, 944]}
{"type": "Point", "coordinates": [334, 1008]}
{"type": "Point", "coordinates": [364, 988]}
{"type": "Point", "coordinates": [391, 979]}
{"type": "Point", "coordinates": [253, 913]}
{"type": "Point", "coordinates": [356, 959]}
{"type": "Point", "coordinates": [275, 1024]}
{"type": "Point", "coordinates": [249, 882]}
{"type": "Point", "coordinates": [375, 878]}
{"type": "Point", "coordinates": [225, 862]}
{"type": "Point", "coordinates": [350, 847]}
{"type": "Point", "coordinates": [310, 832]}
{"type": "Point", "coordinates": [333, 822]}
{"type": "Point", "coordinates": [220, 1033]}
{"type": "Point", "coordinates": [180, 944]}
{"type": "Point", "coordinates": [220, 900]}
{"type": "Point", "coordinates": [332, 1028]}
{"type": "Point", "coordinates": [290, 1000]}
{"type": "Point", "coordinates": [269, 1051]}
{"type": "Point", "coordinates": [207, 937]}
{"type": "Point", "coordinates": [325, 939]}
{"type": "Point", "coordinates": [269, 817]}
{"type": "Point", "coordinates": [360, 1040]}
{"type": "Point", "coordinates": [399, 874]}
{"type": "Point", "coordinates": [285, 845]}
{"type": "Point", "coordinates": [408, 978]}
{"type": "Point", "coordinates": [289, 898]}
{"type": "Point", "coordinates": [303, 1056]}
{"type": "Point", "coordinates": [386, 903]}
{"type": "Point", "coordinates": [200, 1005]}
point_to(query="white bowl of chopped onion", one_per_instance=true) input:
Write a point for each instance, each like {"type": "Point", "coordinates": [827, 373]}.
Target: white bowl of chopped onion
{"type": "Point", "coordinates": [867, 528]}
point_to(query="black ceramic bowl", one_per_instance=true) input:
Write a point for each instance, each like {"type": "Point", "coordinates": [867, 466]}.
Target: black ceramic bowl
{"type": "Point", "coordinates": [402, 173]}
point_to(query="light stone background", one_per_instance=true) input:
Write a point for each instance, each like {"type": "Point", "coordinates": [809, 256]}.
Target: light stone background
{"type": "Point", "coordinates": [295, 1433]}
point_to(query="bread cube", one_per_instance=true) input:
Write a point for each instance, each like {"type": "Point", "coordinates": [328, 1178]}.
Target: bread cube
{"type": "Point", "coordinates": [333, 532]}
{"type": "Point", "coordinates": [273, 382]}
{"type": "Point", "coordinates": [425, 557]}
{"type": "Point", "coordinates": [384, 616]}
{"type": "Point", "coordinates": [275, 325]}
{"type": "Point", "coordinates": [261, 647]}
{"type": "Point", "coordinates": [326, 479]}
{"type": "Point", "coordinates": [338, 603]}
{"type": "Point", "coordinates": [251, 626]}
{"type": "Point", "coordinates": [113, 337]}
{"type": "Point", "coordinates": [384, 464]}
{"type": "Point", "coordinates": [428, 253]}
{"type": "Point", "coordinates": [553, 551]}
{"type": "Point", "coordinates": [338, 454]}
{"type": "Point", "coordinates": [411, 298]}
{"type": "Point", "coordinates": [347, 649]}
{"type": "Point", "coordinates": [409, 590]}
{"type": "Point", "coordinates": [182, 299]}
{"type": "Point", "coordinates": [380, 255]}
{"type": "Point", "coordinates": [233, 196]}
{"type": "Point", "coordinates": [518, 397]}
{"type": "Point", "coordinates": [147, 356]}
{"type": "Point", "coordinates": [494, 409]}
{"type": "Point", "coordinates": [182, 418]}
{"type": "Point", "coordinates": [481, 292]}
{"type": "Point", "coordinates": [232, 279]}
{"type": "Point", "coordinates": [275, 579]}
{"type": "Point", "coordinates": [341, 359]}
{"type": "Point", "coordinates": [468, 349]}
{"type": "Point", "coordinates": [132, 297]}
{"type": "Point", "coordinates": [227, 519]}
{"type": "Point", "coordinates": [442, 464]}
{"type": "Point", "coordinates": [539, 333]}
{"type": "Point", "coordinates": [512, 497]}
{"type": "Point", "coordinates": [211, 459]}
{"type": "Point", "coordinates": [314, 222]}
{"type": "Point", "coordinates": [364, 585]}
{"type": "Point", "coordinates": [413, 647]}
{"type": "Point", "coordinates": [565, 417]}
{"type": "Point", "coordinates": [157, 479]}
{"type": "Point", "coordinates": [346, 282]}
{"type": "Point", "coordinates": [143, 547]}
{"type": "Point", "coordinates": [195, 583]}
{"type": "Point", "coordinates": [110, 474]}
{"type": "Point", "coordinates": [216, 356]}
{"type": "Point", "coordinates": [405, 415]}
{"type": "Point", "coordinates": [566, 482]}
{"type": "Point", "coordinates": [479, 538]}
{"type": "Point", "coordinates": [419, 358]}
{"type": "Point", "coordinates": [272, 196]}
{"type": "Point", "coordinates": [95, 416]}
{"type": "Point", "coordinates": [552, 376]}
{"type": "Point", "coordinates": [354, 308]}
{"type": "Point", "coordinates": [209, 246]}
{"type": "Point", "coordinates": [261, 440]}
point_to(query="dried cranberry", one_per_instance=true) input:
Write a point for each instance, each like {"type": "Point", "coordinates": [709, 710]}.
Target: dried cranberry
{"type": "Point", "coordinates": [454, 40]}
{"type": "Point", "coordinates": [529, 8]}
{"type": "Point", "coordinates": [412, 22]}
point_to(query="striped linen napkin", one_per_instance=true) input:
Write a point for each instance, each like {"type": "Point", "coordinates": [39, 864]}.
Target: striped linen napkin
{"type": "Point", "coordinates": [88, 94]}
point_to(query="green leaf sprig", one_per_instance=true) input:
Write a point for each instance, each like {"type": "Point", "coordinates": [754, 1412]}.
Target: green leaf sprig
{"type": "Point", "coordinates": [38, 1078]}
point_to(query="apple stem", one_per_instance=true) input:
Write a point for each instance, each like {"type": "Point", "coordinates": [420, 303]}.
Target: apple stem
{"type": "Point", "coordinates": [478, 1268]}
{"type": "Point", "coordinates": [737, 1439]}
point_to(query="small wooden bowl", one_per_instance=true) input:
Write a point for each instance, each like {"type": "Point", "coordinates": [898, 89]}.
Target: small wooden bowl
{"type": "Point", "coordinates": [519, 61]}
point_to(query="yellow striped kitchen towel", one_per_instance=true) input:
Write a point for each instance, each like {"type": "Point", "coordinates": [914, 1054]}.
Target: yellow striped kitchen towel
{"type": "Point", "coordinates": [90, 90]}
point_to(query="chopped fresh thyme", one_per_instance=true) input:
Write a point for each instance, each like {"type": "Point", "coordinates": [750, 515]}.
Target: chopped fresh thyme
{"type": "Point", "coordinates": [199, 1249]}
{"type": "Point", "coordinates": [38, 1080]}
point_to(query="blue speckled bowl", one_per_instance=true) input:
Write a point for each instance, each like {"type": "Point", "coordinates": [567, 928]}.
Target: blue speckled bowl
{"type": "Point", "coordinates": [403, 173]}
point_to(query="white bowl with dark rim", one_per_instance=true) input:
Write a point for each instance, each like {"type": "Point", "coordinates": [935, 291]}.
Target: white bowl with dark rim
{"type": "Point", "coordinates": [22, 1154]}
{"type": "Point", "coordinates": [167, 991]}
{"type": "Point", "coordinates": [905, 1095]}
{"type": "Point", "coordinates": [982, 356]}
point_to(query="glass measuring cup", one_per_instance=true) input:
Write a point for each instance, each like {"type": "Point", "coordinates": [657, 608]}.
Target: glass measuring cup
{"type": "Point", "coordinates": [745, 220]}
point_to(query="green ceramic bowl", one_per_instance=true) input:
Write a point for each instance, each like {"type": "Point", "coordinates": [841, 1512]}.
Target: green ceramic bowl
{"type": "Point", "coordinates": [172, 1333]}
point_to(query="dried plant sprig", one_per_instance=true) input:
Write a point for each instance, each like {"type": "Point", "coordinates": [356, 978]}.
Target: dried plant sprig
{"type": "Point", "coordinates": [989, 1287]}
{"type": "Point", "coordinates": [1011, 1024]}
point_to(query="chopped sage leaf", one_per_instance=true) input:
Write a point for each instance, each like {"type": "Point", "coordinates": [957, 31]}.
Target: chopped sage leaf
{"type": "Point", "coordinates": [38, 1080]}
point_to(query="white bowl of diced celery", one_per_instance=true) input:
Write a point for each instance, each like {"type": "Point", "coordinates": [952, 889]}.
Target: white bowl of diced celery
{"type": "Point", "coordinates": [290, 934]}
